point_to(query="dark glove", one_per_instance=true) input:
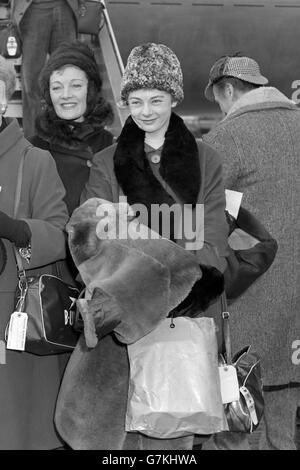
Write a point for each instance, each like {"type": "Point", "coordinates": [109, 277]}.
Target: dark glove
{"type": "Point", "coordinates": [16, 231]}
{"type": "Point", "coordinates": [204, 292]}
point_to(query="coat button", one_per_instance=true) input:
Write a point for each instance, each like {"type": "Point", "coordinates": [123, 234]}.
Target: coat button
{"type": "Point", "coordinates": [155, 158]}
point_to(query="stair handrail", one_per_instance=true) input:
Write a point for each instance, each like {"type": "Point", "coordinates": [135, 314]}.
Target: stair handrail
{"type": "Point", "coordinates": [115, 70]}
{"type": "Point", "coordinates": [112, 37]}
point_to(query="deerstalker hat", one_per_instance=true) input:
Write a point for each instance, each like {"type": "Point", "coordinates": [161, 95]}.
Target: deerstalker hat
{"type": "Point", "coordinates": [243, 68]}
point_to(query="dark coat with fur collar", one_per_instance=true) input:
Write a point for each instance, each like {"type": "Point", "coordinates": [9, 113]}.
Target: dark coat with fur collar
{"type": "Point", "coordinates": [73, 158]}
{"type": "Point", "coordinates": [92, 402]}
{"type": "Point", "coordinates": [191, 168]}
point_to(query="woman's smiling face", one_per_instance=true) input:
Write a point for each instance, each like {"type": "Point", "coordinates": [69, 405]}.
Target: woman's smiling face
{"type": "Point", "coordinates": [151, 109]}
{"type": "Point", "coordinates": [68, 92]}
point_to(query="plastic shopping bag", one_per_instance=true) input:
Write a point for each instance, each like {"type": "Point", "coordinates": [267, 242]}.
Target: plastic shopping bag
{"type": "Point", "coordinates": [174, 387]}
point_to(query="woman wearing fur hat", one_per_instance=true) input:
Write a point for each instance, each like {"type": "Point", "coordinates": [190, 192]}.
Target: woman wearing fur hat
{"type": "Point", "coordinates": [29, 384]}
{"type": "Point", "coordinates": [156, 161]}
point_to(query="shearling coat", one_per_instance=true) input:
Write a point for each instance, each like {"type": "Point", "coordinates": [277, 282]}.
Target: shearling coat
{"type": "Point", "coordinates": [91, 407]}
{"type": "Point", "coordinates": [260, 144]}
{"type": "Point", "coordinates": [29, 384]}
{"type": "Point", "coordinates": [21, 6]}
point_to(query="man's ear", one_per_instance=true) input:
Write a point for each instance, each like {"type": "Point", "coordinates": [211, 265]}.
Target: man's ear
{"type": "Point", "coordinates": [174, 104]}
{"type": "Point", "coordinates": [229, 90]}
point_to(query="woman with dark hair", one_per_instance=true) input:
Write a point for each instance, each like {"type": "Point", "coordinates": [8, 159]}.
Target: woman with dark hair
{"type": "Point", "coordinates": [72, 123]}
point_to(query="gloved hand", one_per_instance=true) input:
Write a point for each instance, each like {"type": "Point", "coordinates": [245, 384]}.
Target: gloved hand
{"type": "Point", "coordinates": [16, 231]}
{"type": "Point", "coordinates": [203, 293]}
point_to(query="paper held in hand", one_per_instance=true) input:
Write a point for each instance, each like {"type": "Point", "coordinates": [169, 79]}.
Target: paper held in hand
{"type": "Point", "coordinates": [233, 202]}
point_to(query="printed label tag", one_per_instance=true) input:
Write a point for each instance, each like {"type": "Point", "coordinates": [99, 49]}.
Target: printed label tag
{"type": "Point", "coordinates": [17, 331]}
{"type": "Point", "coordinates": [250, 404]}
{"type": "Point", "coordinates": [229, 384]}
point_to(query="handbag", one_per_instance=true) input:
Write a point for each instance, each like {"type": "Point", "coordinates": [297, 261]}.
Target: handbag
{"type": "Point", "coordinates": [50, 305]}
{"type": "Point", "coordinates": [174, 388]}
{"type": "Point", "coordinates": [48, 301]}
{"type": "Point", "coordinates": [89, 16]}
{"type": "Point", "coordinates": [10, 41]}
{"type": "Point", "coordinates": [251, 255]}
{"type": "Point", "coordinates": [245, 413]}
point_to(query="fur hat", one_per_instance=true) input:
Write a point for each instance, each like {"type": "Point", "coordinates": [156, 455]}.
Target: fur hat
{"type": "Point", "coordinates": [76, 54]}
{"type": "Point", "coordinates": [8, 76]}
{"type": "Point", "coordinates": [152, 66]}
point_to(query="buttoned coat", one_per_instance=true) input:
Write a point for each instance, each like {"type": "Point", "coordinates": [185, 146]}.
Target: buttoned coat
{"type": "Point", "coordinates": [29, 384]}
{"type": "Point", "coordinates": [91, 406]}
{"type": "Point", "coordinates": [259, 141]}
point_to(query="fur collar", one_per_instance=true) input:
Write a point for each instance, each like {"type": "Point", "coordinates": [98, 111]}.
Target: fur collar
{"type": "Point", "coordinates": [70, 134]}
{"type": "Point", "coordinates": [179, 166]}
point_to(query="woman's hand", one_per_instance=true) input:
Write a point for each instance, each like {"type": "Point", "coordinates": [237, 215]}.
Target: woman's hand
{"type": "Point", "coordinates": [16, 231]}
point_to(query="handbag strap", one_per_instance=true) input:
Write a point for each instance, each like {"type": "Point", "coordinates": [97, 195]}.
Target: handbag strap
{"type": "Point", "coordinates": [21, 271]}
{"type": "Point", "coordinates": [226, 328]}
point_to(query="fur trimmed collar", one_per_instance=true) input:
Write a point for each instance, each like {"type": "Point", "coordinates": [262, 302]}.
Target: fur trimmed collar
{"type": "Point", "coordinates": [179, 165]}
{"type": "Point", "coordinates": [63, 133]}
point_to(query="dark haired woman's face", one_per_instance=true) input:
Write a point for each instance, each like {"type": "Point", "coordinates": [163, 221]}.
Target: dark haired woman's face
{"type": "Point", "coordinates": [68, 92]}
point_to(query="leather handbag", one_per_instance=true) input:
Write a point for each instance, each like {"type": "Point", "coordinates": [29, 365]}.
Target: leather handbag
{"type": "Point", "coordinates": [50, 305]}
{"type": "Point", "coordinates": [245, 413]}
{"type": "Point", "coordinates": [48, 301]}
{"type": "Point", "coordinates": [247, 261]}
{"type": "Point", "coordinates": [89, 16]}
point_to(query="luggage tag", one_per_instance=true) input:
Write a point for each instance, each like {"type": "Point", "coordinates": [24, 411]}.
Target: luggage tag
{"type": "Point", "coordinates": [250, 404]}
{"type": "Point", "coordinates": [17, 331]}
{"type": "Point", "coordinates": [229, 384]}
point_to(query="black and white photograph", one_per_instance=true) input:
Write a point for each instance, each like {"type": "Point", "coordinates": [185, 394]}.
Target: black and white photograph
{"type": "Point", "coordinates": [149, 228]}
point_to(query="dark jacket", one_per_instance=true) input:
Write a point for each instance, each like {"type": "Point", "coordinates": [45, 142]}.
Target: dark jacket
{"type": "Point", "coordinates": [73, 161]}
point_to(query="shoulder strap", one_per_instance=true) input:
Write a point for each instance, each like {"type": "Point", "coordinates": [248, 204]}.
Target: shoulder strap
{"type": "Point", "coordinates": [18, 197]}
{"type": "Point", "coordinates": [165, 185]}
{"type": "Point", "coordinates": [226, 328]}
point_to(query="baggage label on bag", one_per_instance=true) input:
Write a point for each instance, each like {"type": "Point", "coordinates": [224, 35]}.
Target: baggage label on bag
{"type": "Point", "coordinates": [17, 331]}
{"type": "Point", "coordinates": [229, 384]}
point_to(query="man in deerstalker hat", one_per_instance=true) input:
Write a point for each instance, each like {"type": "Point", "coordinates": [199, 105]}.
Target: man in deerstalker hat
{"type": "Point", "coordinates": [259, 140]}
